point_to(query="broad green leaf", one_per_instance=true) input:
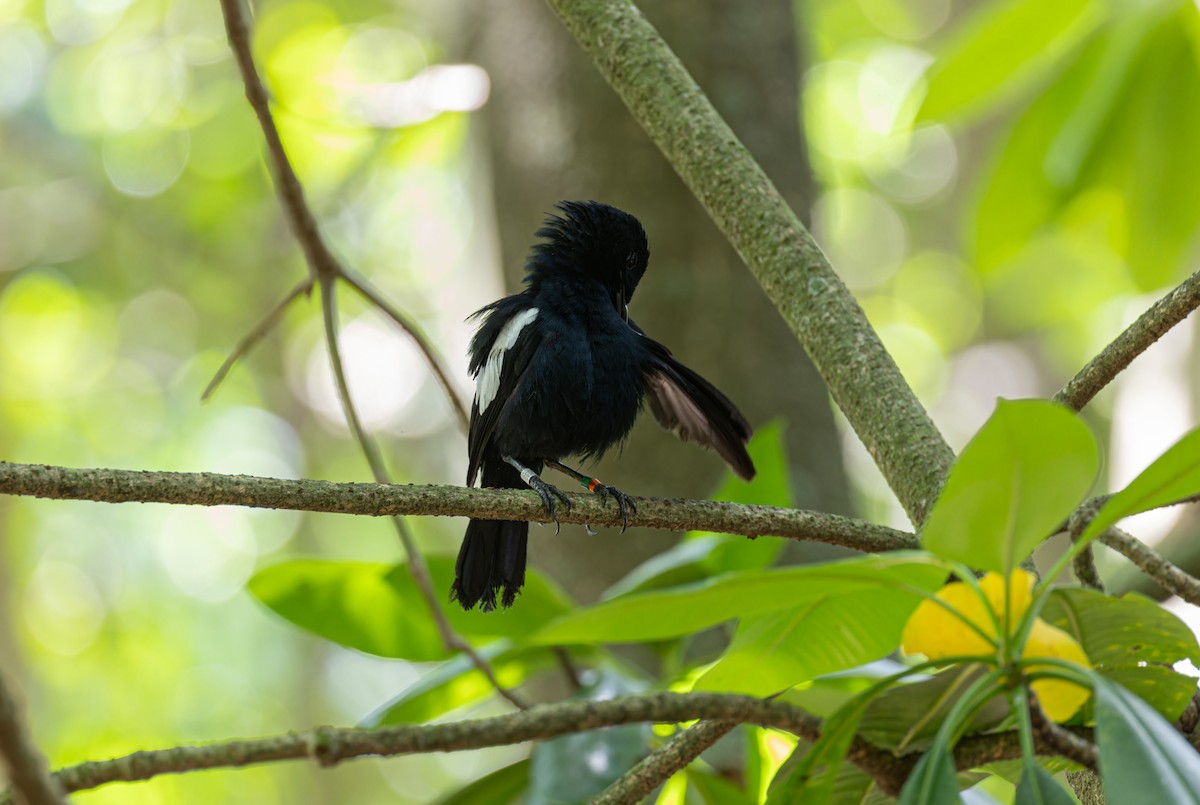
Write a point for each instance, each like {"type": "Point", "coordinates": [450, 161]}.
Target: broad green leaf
{"type": "Point", "coordinates": [812, 773]}
{"type": "Point", "coordinates": [663, 614]}
{"type": "Point", "coordinates": [701, 554]}
{"type": "Point", "coordinates": [932, 782]}
{"type": "Point", "coordinates": [457, 683]}
{"type": "Point", "coordinates": [705, 788]}
{"type": "Point", "coordinates": [1000, 48]}
{"type": "Point", "coordinates": [1015, 482]}
{"type": "Point", "coordinates": [1171, 477]}
{"type": "Point", "coordinates": [1131, 640]}
{"type": "Point", "coordinates": [502, 787]}
{"type": "Point", "coordinates": [1166, 108]}
{"type": "Point", "coordinates": [908, 716]}
{"type": "Point", "coordinates": [378, 609]}
{"type": "Point", "coordinates": [776, 651]}
{"type": "Point", "coordinates": [683, 564]}
{"type": "Point", "coordinates": [1037, 787]}
{"type": "Point", "coordinates": [1042, 160]}
{"type": "Point", "coordinates": [354, 604]}
{"type": "Point", "coordinates": [1142, 757]}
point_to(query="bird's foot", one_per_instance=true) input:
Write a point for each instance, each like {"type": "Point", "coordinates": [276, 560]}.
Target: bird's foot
{"type": "Point", "coordinates": [548, 493]}
{"type": "Point", "coordinates": [624, 502]}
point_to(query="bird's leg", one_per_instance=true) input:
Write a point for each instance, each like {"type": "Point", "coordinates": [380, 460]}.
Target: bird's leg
{"type": "Point", "coordinates": [624, 502]}
{"type": "Point", "coordinates": [544, 489]}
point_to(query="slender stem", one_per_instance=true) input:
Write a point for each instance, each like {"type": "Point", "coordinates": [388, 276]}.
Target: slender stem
{"type": "Point", "coordinates": [655, 769]}
{"type": "Point", "coordinates": [861, 375]}
{"type": "Point", "coordinates": [368, 292]}
{"type": "Point", "coordinates": [212, 489]}
{"type": "Point", "coordinates": [31, 779]}
{"type": "Point", "coordinates": [417, 567]}
{"type": "Point", "coordinates": [1169, 576]}
{"type": "Point", "coordinates": [1149, 327]}
{"type": "Point", "coordinates": [322, 264]}
{"type": "Point", "coordinates": [251, 339]}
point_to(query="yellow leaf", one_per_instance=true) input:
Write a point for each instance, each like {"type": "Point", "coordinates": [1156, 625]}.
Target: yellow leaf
{"type": "Point", "coordinates": [1059, 699]}
{"type": "Point", "coordinates": [936, 632]}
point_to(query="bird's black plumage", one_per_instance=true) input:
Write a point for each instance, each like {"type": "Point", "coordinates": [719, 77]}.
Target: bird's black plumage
{"type": "Point", "coordinates": [561, 370]}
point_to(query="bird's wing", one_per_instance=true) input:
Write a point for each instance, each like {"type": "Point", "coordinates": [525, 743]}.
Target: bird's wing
{"type": "Point", "coordinates": [500, 354]}
{"type": "Point", "coordinates": [686, 404]}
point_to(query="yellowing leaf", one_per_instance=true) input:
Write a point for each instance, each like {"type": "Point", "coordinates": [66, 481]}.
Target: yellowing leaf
{"type": "Point", "coordinates": [1059, 699]}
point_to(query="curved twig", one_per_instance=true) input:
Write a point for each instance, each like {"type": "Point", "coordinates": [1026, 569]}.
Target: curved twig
{"type": "Point", "coordinates": [27, 767]}
{"type": "Point", "coordinates": [322, 264]}
{"type": "Point", "coordinates": [684, 747]}
{"type": "Point", "coordinates": [1149, 327]}
{"type": "Point", "coordinates": [417, 567]}
{"type": "Point", "coordinates": [1169, 576]}
{"type": "Point", "coordinates": [251, 339]}
{"type": "Point", "coordinates": [329, 746]}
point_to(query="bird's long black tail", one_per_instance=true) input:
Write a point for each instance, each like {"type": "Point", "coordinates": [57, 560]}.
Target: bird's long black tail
{"type": "Point", "coordinates": [491, 561]}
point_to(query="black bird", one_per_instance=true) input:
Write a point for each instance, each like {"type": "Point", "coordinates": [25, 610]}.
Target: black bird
{"type": "Point", "coordinates": [561, 370]}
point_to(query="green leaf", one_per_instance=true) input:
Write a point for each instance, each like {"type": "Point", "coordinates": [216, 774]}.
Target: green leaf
{"type": "Point", "coordinates": [932, 782]}
{"type": "Point", "coordinates": [908, 716]}
{"type": "Point", "coordinates": [1037, 787]}
{"type": "Point", "coordinates": [501, 787]}
{"type": "Point", "coordinates": [776, 651]}
{"type": "Point", "coordinates": [683, 564]}
{"type": "Point", "coordinates": [701, 554]}
{"type": "Point", "coordinates": [1015, 482]}
{"type": "Point", "coordinates": [354, 604]}
{"type": "Point", "coordinates": [1142, 757]}
{"type": "Point", "coordinates": [1043, 159]}
{"type": "Point", "coordinates": [1171, 477]}
{"type": "Point", "coordinates": [1131, 640]}
{"type": "Point", "coordinates": [684, 610]}
{"type": "Point", "coordinates": [378, 609]}
{"type": "Point", "coordinates": [813, 771]}
{"type": "Point", "coordinates": [1166, 107]}
{"type": "Point", "coordinates": [705, 788]}
{"type": "Point", "coordinates": [1003, 47]}
{"type": "Point", "coordinates": [457, 683]}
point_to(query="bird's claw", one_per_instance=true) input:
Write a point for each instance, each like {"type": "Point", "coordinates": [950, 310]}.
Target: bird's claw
{"type": "Point", "coordinates": [624, 502]}
{"type": "Point", "coordinates": [548, 493]}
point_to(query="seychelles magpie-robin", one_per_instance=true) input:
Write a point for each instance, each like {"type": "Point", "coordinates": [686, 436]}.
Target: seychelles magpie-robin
{"type": "Point", "coordinates": [561, 370]}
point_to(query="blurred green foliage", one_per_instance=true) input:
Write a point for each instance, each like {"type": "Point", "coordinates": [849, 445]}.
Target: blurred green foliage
{"type": "Point", "coordinates": [1002, 184]}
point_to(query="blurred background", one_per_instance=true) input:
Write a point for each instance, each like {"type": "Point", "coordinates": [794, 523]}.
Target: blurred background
{"type": "Point", "coordinates": [1004, 185]}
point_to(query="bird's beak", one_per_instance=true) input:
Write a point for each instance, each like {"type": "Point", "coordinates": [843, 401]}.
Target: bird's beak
{"type": "Point", "coordinates": [622, 305]}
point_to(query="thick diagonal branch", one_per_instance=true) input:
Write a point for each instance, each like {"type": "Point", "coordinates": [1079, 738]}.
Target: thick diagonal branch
{"type": "Point", "coordinates": [737, 194]}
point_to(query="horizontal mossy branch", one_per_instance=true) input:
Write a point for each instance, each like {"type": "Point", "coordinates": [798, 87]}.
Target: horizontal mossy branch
{"type": "Point", "coordinates": [741, 199]}
{"type": "Point", "coordinates": [212, 489]}
{"type": "Point", "coordinates": [328, 746]}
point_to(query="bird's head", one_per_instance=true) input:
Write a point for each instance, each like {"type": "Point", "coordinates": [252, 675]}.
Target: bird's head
{"type": "Point", "coordinates": [596, 241]}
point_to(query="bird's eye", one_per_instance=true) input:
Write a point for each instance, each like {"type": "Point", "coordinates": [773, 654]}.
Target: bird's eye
{"type": "Point", "coordinates": [631, 260]}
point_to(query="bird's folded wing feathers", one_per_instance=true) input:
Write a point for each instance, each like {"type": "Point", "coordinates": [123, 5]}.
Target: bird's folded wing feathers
{"type": "Point", "coordinates": [499, 361]}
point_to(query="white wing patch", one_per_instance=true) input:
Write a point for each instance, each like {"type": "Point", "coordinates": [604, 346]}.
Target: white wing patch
{"type": "Point", "coordinates": [487, 382]}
